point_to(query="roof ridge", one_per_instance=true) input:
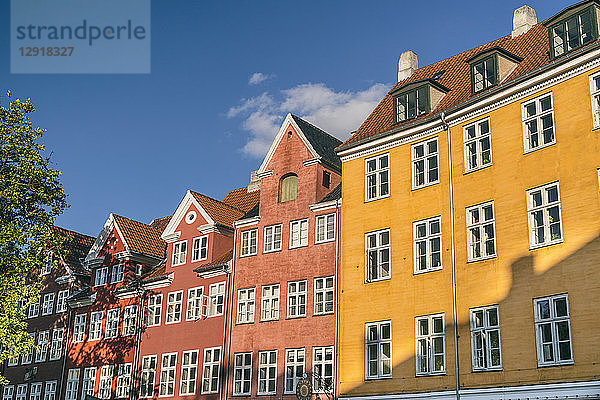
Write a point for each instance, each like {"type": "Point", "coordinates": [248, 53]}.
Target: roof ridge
{"type": "Point", "coordinates": [316, 127]}
{"type": "Point", "coordinates": [218, 201]}
{"type": "Point", "coordinates": [136, 221]}
{"type": "Point", "coordinates": [72, 231]}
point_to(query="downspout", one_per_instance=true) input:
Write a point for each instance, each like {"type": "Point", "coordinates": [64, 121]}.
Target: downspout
{"type": "Point", "coordinates": [455, 317]}
{"type": "Point", "coordinates": [138, 339]}
{"type": "Point", "coordinates": [65, 350]}
{"type": "Point", "coordinates": [226, 326]}
{"type": "Point", "coordinates": [337, 299]}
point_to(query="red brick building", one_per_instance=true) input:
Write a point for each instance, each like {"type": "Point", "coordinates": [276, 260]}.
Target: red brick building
{"type": "Point", "coordinates": [283, 310]}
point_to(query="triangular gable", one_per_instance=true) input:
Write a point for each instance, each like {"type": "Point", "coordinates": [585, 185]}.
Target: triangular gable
{"type": "Point", "coordinates": [103, 236]}
{"type": "Point", "coordinates": [170, 231]}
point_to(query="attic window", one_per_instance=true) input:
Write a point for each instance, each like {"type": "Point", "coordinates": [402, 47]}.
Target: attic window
{"type": "Point", "coordinates": [574, 31]}
{"type": "Point", "coordinates": [326, 179]}
{"type": "Point", "coordinates": [289, 188]}
{"type": "Point", "coordinates": [491, 67]}
{"type": "Point", "coordinates": [484, 74]}
{"type": "Point", "coordinates": [411, 104]}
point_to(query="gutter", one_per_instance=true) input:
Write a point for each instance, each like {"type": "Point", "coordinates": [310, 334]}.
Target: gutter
{"type": "Point", "coordinates": [64, 355]}
{"type": "Point", "coordinates": [227, 327]}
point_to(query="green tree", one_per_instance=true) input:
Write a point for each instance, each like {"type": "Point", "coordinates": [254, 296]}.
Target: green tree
{"type": "Point", "coordinates": [31, 197]}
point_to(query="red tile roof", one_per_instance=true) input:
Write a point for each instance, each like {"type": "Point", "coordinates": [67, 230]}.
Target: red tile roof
{"type": "Point", "coordinates": [140, 237]}
{"type": "Point", "coordinates": [531, 46]}
{"type": "Point", "coordinates": [77, 245]}
{"type": "Point", "coordinates": [160, 223]}
{"type": "Point", "coordinates": [223, 259]}
{"type": "Point", "coordinates": [220, 212]}
{"type": "Point", "coordinates": [242, 199]}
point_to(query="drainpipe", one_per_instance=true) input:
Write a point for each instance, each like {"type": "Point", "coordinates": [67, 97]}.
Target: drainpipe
{"type": "Point", "coordinates": [455, 317]}
{"type": "Point", "coordinates": [138, 339]}
{"type": "Point", "coordinates": [337, 299]}
{"type": "Point", "coordinates": [65, 350]}
{"type": "Point", "coordinates": [227, 326]}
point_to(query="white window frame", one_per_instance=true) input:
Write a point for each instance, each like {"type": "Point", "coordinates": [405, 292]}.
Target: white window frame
{"type": "Point", "coordinates": [148, 369]}
{"type": "Point", "coordinates": [199, 245]}
{"type": "Point", "coordinates": [428, 239]}
{"type": "Point", "coordinates": [242, 374]}
{"type": "Point", "coordinates": [189, 373]}
{"type": "Point", "coordinates": [478, 141]}
{"type": "Point", "coordinates": [174, 307]}
{"type": "Point", "coordinates": [123, 386]}
{"type": "Point", "coordinates": [35, 392]}
{"type": "Point", "coordinates": [538, 118]}
{"type": "Point", "coordinates": [482, 328]}
{"type": "Point", "coordinates": [544, 207]}
{"type": "Point", "coordinates": [43, 341]}
{"type": "Point", "coordinates": [61, 300]}
{"type": "Point", "coordinates": [129, 320]}
{"type": "Point", "coordinates": [375, 175]}
{"type": "Point", "coordinates": [34, 309]}
{"type": "Point", "coordinates": [426, 160]}
{"type": "Point", "coordinates": [595, 99]}
{"type": "Point", "coordinates": [216, 299]}
{"type": "Point", "coordinates": [249, 242]}
{"type": "Point", "coordinates": [117, 273]}
{"type": "Point", "coordinates": [553, 320]}
{"type": "Point", "coordinates": [167, 375]}
{"type": "Point", "coordinates": [323, 357]}
{"type": "Point", "coordinates": [72, 384]}
{"type": "Point", "coordinates": [50, 390]}
{"type": "Point", "coordinates": [179, 253]}
{"type": "Point", "coordinates": [101, 276]}
{"type": "Point", "coordinates": [105, 382]}
{"type": "Point", "coordinates": [21, 393]}
{"type": "Point", "coordinates": [299, 233]}
{"type": "Point", "coordinates": [296, 298]}
{"type": "Point", "coordinates": [95, 332]}
{"type": "Point", "coordinates": [27, 358]}
{"type": "Point", "coordinates": [264, 372]}
{"type": "Point", "coordinates": [381, 342]}
{"type": "Point", "coordinates": [246, 305]}
{"type": "Point", "coordinates": [295, 360]}
{"type": "Point", "coordinates": [154, 310]}
{"type": "Point", "coordinates": [429, 339]}
{"type": "Point", "coordinates": [479, 227]}
{"type": "Point", "coordinates": [322, 232]}
{"type": "Point", "coordinates": [195, 309]}
{"type": "Point", "coordinates": [47, 266]}
{"type": "Point", "coordinates": [269, 308]}
{"type": "Point", "coordinates": [378, 273]}
{"type": "Point", "coordinates": [56, 347]}
{"type": "Point", "coordinates": [48, 304]}
{"type": "Point", "coordinates": [322, 301]}
{"type": "Point", "coordinates": [79, 327]}
{"type": "Point", "coordinates": [8, 392]}
{"type": "Point", "coordinates": [273, 235]}
{"type": "Point", "coordinates": [88, 382]}
{"type": "Point", "coordinates": [111, 329]}
{"type": "Point", "coordinates": [211, 367]}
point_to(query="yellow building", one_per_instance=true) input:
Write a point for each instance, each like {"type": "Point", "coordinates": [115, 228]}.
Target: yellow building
{"type": "Point", "coordinates": [470, 256]}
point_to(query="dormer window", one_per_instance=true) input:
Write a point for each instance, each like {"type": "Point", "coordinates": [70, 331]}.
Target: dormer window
{"type": "Point", "coordinates": [484, 74]}
{"type": "Point", "coordinates": [490, 67]}
{"type": "Point", "coordinates": [417, 98]}
{"type": "Point", "coordinates": [573, 28]}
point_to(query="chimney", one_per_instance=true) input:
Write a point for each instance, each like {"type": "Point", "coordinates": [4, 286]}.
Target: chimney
{"type": "Point", "coordinates": [254, 182]}
{"type": "Point", "coordinates": [407, 64]}
{"type": "Point", "coordinates": [523, 19]}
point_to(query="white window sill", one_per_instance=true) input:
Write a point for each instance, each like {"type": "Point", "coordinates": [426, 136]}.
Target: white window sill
{"type": "Point", "coordinates": [270, 251]}
{"type": "Point", "coordinates": [428, 270]}
{"type": "Point", "coordinates": [266, 394]}
{"type": "Point", "coordinates": [200, 259]}
{"type": "Point", "coordinates": [247, 255]}
{"type": "Point", "coordinates": [469, 171]}
{"type": "Point", "coordinates": [323, 313]}
{"type": "Point", "coordinates": [298, 246]}
{"type": "Point", "coordinates": [325, 241]}
{"type": "Point", "coordinates": [431, 374]}
{"type": "Point", "coordinates": [493, 369]}
{"type": "Point", "coordinates": [377, 198]}
{"type": "Point", "coordinates": [425, 185]}
{"type": "Point", "coordinates": [482, 259]}
{"type": "Point", "coordinates": [557, 364]}
{"type": "Point", "coordinates": [387, 278]}
{"type": "Point", "coordinates": [376, 378]}
{"type": "Point", "coordinates": [542, 245]}
{"type": "Point", "coordinates": [528, 151]}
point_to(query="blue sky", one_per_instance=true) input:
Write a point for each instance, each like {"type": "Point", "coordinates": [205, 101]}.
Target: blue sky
{"type": "Point", "coordinates": [224, 74]}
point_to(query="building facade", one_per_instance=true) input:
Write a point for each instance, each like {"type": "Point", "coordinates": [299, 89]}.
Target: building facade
{"type": "Point", "coordinates": [470, 222]}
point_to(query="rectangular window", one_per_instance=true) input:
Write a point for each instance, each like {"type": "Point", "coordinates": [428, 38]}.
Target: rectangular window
{"type": "Point", "coordinates": [112, 324]}
{"type": "Point", "coordinates": [148, 373]}
{"type": "Point", "coordinates": [34, 309]}
{"type": "Point", "coordinates": [48, 304]}
{"type": "Point", "coordinates": [216, 299]}
{"type": "Point", "coordinates": [245, 312]}
{"type": "Point", "coordinates": [195, 304]}
{"type": "Point", "coordinates": [22, 392]}
{"type": "Point", "coordinates": [61, 301]}
{"type": "Point", "coordinates": [27, 358]}
{"type": "Point", "coordinates": [42, 346]}
{"type": "Point", "coordinates": [299, 233]}
{"type": "Point", "coordinates": [56, 347]}
{"type": "Point", "coordinates": [484, 74]}
{"type": "Point", "coordinates": [272, 238]}
{"type": "Point", "coordinates": [167, 374]}
{"type": "Point", "coordinates": [377, 177]}
{"type": "Point", "coordinates": [8, 392]}
{"type": "Point", "coordinates": [12, 361]}
{"type": "Point", "coordinates": [322, 370]}
{"type": "Point", "coordinates": [427, 235]}
{"type": "Point", "coordinates": [294, 369]}
{"type": "Point", "coordinates": [72, 384]}
{"type": "Point", "coordinates": [411, 104]}
{"type": "Point", "coordinates": [105, 384]}
{"type": "Point", "coordinates": [123, 381]}
{"type": "Point", "coordinates": [545, 223]}
{"type": "Point", "coordinates": [481, 232]}
{"type": "Point", "coordinates": [324, 292]}
{"type": "Point", "coordinates": [212, 365]}
{"type": "Point", "coordinates": [573, 32]}
{"type": "Point", "coordinates": [326, 179]}
{"type": "Point", "coordinates": [101, 276]}
{"type": "Point", "coordinates": [595, 96]}
{"type": "Point", "coordinates": [50, 390]}
{"type": "Point", "coordinates": [154, 310]}
{"type": "Point", "coordinates": [117, 273]}
{"type": "Point", "coordinates": [485, 339]}
{"type": "Point", "coordinates": [248, 245]}
{"type": "Point", "coordinates": [174, 300]}
{"type": "Point", "coordinates": [553, 330]}
{"type": "Point", "coordinates": [478, 149]}
{"type": "Point", "coordinates": [425, 168]}
{"type": "Point", "coordinates": [95, 325]}
{"type": "Point", "coordinates": [36, 391]}
{"type": "Point", "coordinates": [296, 299]}
{"type": "Point", "coordinates": [430, 345]}
{"type": "Point", "coordinates": [378, 255]}
{"type": "Point", "coordinates": [270, 302]}
{"type": "Point", "coordinates": [188, 373]}
{"type": "Point", "coordinates": [538, 123]}
{"type": "Point", "coordinates": [242, 373]}
{"type": "Point", "coordinates": [88, 383]}
{"type": "Point", "coordinates": [129, 320]}
{"type": "Point", "coordinates": [179, 252]}
{"type": "Point", "coordinates": [47, 266]}
{"type": "Point", "coordinates": [325, 228]}
{"type": "Point", "coordinates": [200, 248]}
{"type": "Point", "coordinates": [267, 372]}
{"type": "Point", "coordinates": [378, 349]}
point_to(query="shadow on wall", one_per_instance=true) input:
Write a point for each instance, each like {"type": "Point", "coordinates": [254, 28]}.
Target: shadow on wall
{"type": "Point", "coordinates": [577, 274]}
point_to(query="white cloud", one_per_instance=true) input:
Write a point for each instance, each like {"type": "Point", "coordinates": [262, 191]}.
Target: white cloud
{"type": "Point", "coordinates": [258, 77]}
{"type": "Point", "coordinates": [337, 113]}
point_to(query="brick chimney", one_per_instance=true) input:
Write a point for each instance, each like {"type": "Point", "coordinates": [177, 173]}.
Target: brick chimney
{"type": "Point", "coordinates": [407, 64]}
{"type": "Point", "coordinates": [523, 19]}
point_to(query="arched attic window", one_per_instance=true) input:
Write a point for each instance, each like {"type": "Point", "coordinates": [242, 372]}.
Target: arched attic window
{"type": "Point", "coordinates": [288, 188]}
